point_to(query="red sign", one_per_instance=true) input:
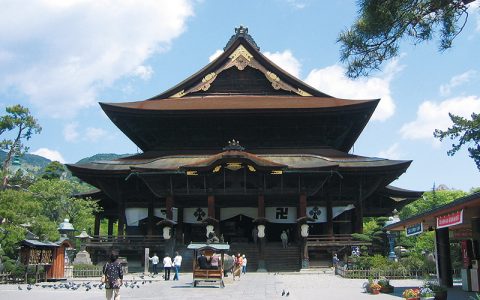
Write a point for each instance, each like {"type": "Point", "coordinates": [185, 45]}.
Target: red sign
{"type": "Point", "coordinates": [450, 219]}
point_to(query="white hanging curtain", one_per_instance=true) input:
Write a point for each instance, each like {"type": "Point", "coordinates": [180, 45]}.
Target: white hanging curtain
{"type": "Point", "coordinates": [135, 214]}
{"type": "Point", "coordinates": [162, 213]}
{"type": "Point", "coordinates": [194, 215]}
{"type": "Point", "coordinates": [230, 212]}
{"type": "Point", "coordinates": [281, 214]}
{"type": "Point", "coordinates": [338, 210]}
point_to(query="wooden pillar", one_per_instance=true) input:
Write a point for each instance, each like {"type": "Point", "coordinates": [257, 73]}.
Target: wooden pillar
{"type": "Point", "coordinates": [121, 219]}
{"type": "Point", "coordinates": [443, 257]}
{"type": "Point", "coordinates": [261, 206]}
{"type": "Point", "coordinates": [96, 226]}
{"type": "Point", "coordinates": [329, 216]}
{"type": "Point", "coordinates": [150, 225]}
{"type": "Point", "coordinates": [110, 226]}
{"type": "Point", "coordinates": [169, 207]}
{"type": "Point", "coordinates": [359, 211]}
{"type": "Point", "coordinates": [211, 206]}
{"type": "Point", "coordinates": [302, 205]}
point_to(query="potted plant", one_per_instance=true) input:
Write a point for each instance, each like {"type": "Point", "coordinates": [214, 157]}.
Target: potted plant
{"type": "Point", "coordinates": [386, 287]}
{"type": "Point", "coordinates": [411, 294]}
{"type": "Point", "coordinates": [439, 291]}
{"type": "Point", "coordinates": [426, 294]}
{"type": "Point", "coordinates": [375, 287]}
{"type": "Point", "coordinates": [367, 285]}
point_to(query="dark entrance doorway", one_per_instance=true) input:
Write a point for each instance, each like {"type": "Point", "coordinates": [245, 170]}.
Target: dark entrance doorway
{"type": "Point", "coordinates": [237, 229]}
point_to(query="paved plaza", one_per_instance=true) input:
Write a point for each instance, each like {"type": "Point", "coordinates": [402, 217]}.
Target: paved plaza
{"type": "Point", "coordinates": [251, 286]}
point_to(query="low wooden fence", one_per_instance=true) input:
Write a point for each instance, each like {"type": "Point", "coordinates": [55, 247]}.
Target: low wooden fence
{"type": "Point", "coordinates": [9, 278]}
{"type": "Point", "coordinates": [87, 273]}
{"type": "Point", "coordinates": [390, 274]}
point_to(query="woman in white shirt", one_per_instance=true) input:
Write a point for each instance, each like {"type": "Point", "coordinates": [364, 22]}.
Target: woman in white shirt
{"type": "Point", "coordinates": [177, 262]}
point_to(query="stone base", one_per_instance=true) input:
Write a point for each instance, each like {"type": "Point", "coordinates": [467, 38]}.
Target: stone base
{"type": "Point", "coordinates": [261, 267]}
{"type": "Point", "coordinates": [82, 257]}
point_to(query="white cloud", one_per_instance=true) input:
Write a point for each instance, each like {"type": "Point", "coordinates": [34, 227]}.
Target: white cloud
{"type": "Point", "coordinates": [286, 61]}
{"type": "Point", "coordinates": [144, 72]}
{"type": "Point", "coordinates": [298, 4]}
{"type": "Point", "coordinates": [332, 80]}
{"type": "Point", "coordinates": [60, 54]}
{"type": "Point", "coordinates": [455, 81]}
{"type": "Point", "coordinates": [52, 155]}
{"type": "Point", "coordinates": [94, 134]}
{"type": "Point", "coordinates": [393, 152]}
{"type": "Point", "coordinates": [70, 132]}
{"type": "Point", "coordinates": [217, 53]}
{"type": "Point", "coordinates": [433, 115]}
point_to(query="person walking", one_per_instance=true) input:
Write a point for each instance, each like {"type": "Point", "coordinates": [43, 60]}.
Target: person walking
{"type": "Point", "coordinates": [244, 264]}
{"type": "Point", "coordinates": [177, 263]}
{"type": "Point", "coordinates": [167, 266]}
{"type": "Point", "coordinates": [155, 260]}
{"type": "Point", "coordinates": [113, 277]}
{"type": "Point", "coordinates": [284, 238]}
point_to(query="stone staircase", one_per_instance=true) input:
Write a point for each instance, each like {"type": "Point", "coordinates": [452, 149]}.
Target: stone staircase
{"type": "Point", "coordinates": [278, 259]}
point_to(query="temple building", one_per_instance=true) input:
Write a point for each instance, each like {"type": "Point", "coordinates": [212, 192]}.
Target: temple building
{"type": "Point", "coordinates": [245, 150]}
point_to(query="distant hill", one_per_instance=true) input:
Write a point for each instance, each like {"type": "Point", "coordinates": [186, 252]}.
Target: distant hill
{"type": "Point", "coordinates": [102, 156]}
{"type": "Point", "coordinates": [29, 162]}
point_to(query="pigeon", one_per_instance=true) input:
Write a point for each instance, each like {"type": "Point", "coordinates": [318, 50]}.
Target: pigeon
{"type": "Point", "coordinates": [20, 288]}
{"type": "Point", "coordinates": [283, 293]}
{"type": "Point", "coordinates": [288, 294]}
{"type": "Point", "coordinates": [29, 287]}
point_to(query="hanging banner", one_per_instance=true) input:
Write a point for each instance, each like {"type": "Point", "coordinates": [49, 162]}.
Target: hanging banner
{"type": "Point", "coordinates": [135, 214]}
{"type": "Point", "coordinates": [281, 214]}
{"type": "Point", "coordinates": [450, 219]}
{"type": "Point", "coordinates": [194, 215]}
{"type": "Point", "coordinates": [338, 210]}
{"type": "Point", "coordinates": [162, 213]}
{"type": "Point", "coordinates": [414, 229]}
{"type": "Point", "coordinates": [230, 212]}
{"type": "Point", "coordinates": [317, 213]}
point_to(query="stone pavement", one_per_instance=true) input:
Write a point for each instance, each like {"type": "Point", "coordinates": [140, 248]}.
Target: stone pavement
{"type": "Point", "coordinates": [250, 286]}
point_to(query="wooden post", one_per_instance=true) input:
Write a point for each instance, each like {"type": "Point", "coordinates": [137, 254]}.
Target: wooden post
{"type": "Point", "coordinates": [211, 206]}
{"type": "Point", "coordinates": [110, 226]}
{"type": "Point", "coordinates": [302, 205]}
{"type": "Point", "coordinates": [443, 257]}
{"type": "Point", "coordinates": [261, 206]}
{"type": "Point", "coordinates": [147, 261]}
{"type": "Point", "coordinates": [359, 211]}
{"type": "Point", "coordinates": [96, 226]}
{"type": "Point", "coordinates": [169, 207]}
{"type": "Point", "coordinates": [329, 216]}
{"type": "Point", "coordinates": [150, 219]}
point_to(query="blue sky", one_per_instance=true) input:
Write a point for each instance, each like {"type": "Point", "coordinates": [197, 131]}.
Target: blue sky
{"type": "Point", "coordinates": [60, 58]}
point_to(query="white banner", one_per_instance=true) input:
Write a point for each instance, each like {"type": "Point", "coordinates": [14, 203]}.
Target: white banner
{"type": "Point", "coordinates": [162, 213]}
{"type": "Point", "coordinates": [317, 213]}
{"type": "Point", "coordinates": [230, 212]}
{"type": "Point", "coordinates": [135, 214]}
{"type": "Point", "coordinates": [195, 214]}
{"type": "Point", "coordinates": [281, 214]}
{"type": "Point", "coordinates": [338, 210]}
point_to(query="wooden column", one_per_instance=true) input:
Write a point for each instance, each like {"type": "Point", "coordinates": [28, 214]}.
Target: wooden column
{"type": "Point", "coordinates": [110, 226]}
{"type": "Point", "coordinates": [302, 205]}
{"type": "Point", "coordinates": [329, 216]}
{"type": "Point", "coordinates": [151, 216]}
{"type": "Point", "coordinates": [444, 260]}
{"type": "Point", "coordinates": [261, 206]}
{"type": "Point", "coordinates": [359, 211]}
{"type": "Point", "coordinates": [169, 207]}
{"type": "Point", "coordinates": [96, 226]}
{"type": "Point", "coordinates": [211, 206]}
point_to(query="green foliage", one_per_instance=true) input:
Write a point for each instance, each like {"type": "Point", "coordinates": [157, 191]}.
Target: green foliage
{"type": "Point", "coordinates": [19, 120]}
{"type": "Point", "coordinates": [53, 170]}
{"type": "Point", "coordinates": [467, 132]}
{"type": "Point", "coordinates": [82, 267]}
{"type": "Point", "coordinates": [429, 201]}
{"type": "Point", "coordinates": [383, 24]}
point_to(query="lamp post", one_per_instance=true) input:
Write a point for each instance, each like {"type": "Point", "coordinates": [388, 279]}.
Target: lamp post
{"type": "Point", "coordinates": [391, 240]}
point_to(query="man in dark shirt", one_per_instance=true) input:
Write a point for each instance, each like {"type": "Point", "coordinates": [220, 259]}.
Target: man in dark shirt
{"type": "Point", "coordinates": [202, 261]}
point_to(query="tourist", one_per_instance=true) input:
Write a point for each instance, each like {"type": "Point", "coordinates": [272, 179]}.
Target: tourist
{"type": "Point", "coordinates": [215, 261]}
{"type": "Point", "coordinates": [177, 263]}
{"type": "Point", "coordinates": [113, 277]}
{"type": "Point", "coordinates": [167, 266]}
{"type": "Point", "coordinates": [244, 264]}
{"type": "Point", "coordinates": [335, 260]}
{"type": "Point", "coordinates": [284, 238]}
{"type": "Point", "coordinates": [202, 261]}
{"type": "Point", "coordinates": [155, 260]}
{"type": "Point", "coordinates": [237, 268]}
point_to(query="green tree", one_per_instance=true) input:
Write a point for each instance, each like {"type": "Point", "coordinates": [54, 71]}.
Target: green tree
{"type": "Point", "coordinates": [383, 24]}
{"type": "Point", "coordinates": [53, 170]}
{"type": "Point", "coordinates": [19, 120]}
{"type": "Point", "coordinates": [466, 132]}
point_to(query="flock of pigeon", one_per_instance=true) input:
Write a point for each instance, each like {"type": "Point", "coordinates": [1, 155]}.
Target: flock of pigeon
{"type": "Point", "coordinates": [87, 286]}
{"type": "Point", "coordinates": [286, 294]}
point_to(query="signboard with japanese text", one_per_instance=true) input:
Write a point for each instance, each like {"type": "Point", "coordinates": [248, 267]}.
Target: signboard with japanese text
{"type": "Point", "coordinates": [450, 219]}
{"type": "Point", "coordinates": [414, 229]}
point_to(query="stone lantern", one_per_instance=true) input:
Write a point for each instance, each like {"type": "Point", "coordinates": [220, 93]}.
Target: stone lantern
{"type": "Point", "coordinates": [65, 228]}
{"type": "Point", "coordinates": [83, 257]}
